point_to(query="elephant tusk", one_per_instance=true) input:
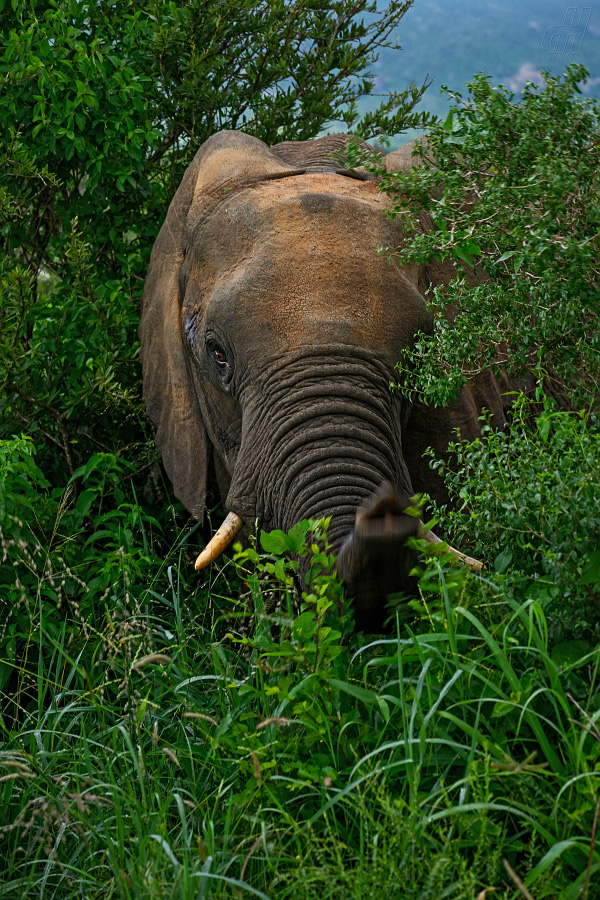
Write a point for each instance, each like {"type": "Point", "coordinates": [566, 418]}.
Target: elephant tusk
{"type": "Point", "coordinates": [220, 540]}
{"type": "Point", "coordinates": [473, 564]}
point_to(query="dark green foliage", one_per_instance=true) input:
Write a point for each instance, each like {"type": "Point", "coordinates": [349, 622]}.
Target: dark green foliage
{"type": "Point", "coordinates": [528, 499]}
{"type": "Point", "coordinates": [513, 192]}
{"type": "Point", "coordinates": [69, 564]}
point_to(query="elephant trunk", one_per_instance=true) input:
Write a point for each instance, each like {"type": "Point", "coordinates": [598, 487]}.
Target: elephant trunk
{"type": "Point", "coordinates": [321, 440]}
{"type": "Point", "coordinates": [374, 560]}
{"type": "Point", "coordinates": [319, 436]}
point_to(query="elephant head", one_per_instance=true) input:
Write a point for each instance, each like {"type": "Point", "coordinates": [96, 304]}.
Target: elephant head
{"type": "Point", "coordinates": [270, 330]}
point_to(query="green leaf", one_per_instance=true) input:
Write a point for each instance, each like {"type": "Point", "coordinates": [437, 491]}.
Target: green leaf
{"type": "Point", "coordinates": [354, 690]}
{"type": "Point", "coordinates": [503, 561]}
{"type": "Point", "coordinates": [554, 853]}
{"type": "Point", "coordinates": [569, 652]}
{"type": "Point", "coordinates": [506, 255]}
{"type": "Point", "coordinates": [274, 541]}
{"type": "Point", "coordinates": [449, 121]}
{"type": "Point", "coordinates": [94, 463]}
{"type": "Point", "coordinates": [85, 500]}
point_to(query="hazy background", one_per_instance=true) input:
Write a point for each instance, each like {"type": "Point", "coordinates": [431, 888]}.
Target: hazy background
{"type": "Point", "coordinates": [512, 40]}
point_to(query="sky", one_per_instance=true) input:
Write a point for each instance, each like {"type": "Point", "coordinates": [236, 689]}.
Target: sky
{"type": "Point", "coordinates": [449, 41]}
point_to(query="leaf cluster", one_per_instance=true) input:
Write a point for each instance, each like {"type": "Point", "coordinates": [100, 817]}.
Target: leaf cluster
{"type": "Point", "coordinates": [527, 499]}
{"type": "Point", "coordinates": [509, 191]}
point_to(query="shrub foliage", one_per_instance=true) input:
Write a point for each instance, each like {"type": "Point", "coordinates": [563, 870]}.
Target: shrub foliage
{"type": "Point", "coordinates": [510, 192]}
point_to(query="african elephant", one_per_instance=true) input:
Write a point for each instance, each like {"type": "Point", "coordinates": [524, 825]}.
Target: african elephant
{"type": "Point", "coordinates": [270, 330]}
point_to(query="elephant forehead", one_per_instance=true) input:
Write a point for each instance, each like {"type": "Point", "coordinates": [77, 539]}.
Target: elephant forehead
{"type": "Point", "coordinates": [318, 200]}
{"type": "Point", "coordinates": [330, 206]}
{"type": "Point", "coordinates": [312, 270]}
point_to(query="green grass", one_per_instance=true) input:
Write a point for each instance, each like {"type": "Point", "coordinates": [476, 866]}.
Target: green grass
{"type": "Point", "coordinates": [295, 759]}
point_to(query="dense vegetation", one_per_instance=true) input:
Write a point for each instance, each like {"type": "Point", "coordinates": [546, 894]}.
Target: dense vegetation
{"type": "Point", "coordinates": [513, 193]}
{"type": "Point", "coordinates": [513, 198]}
{"type": "Point", "coordinates": [164, 738]}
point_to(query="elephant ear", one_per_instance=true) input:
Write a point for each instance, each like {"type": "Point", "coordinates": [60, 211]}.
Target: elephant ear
{"type": "Point", "coordinates": [321, 154]}
{"type": "Point", "coordinates": [227, 161]}
{"type": "Point", "coordinates": [401, 159]}
{"type": "Point", "coordinates": [180, 436]}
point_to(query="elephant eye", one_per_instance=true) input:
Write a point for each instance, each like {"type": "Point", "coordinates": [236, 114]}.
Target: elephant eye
{"type": "Point", "coordinates": [218, 354]}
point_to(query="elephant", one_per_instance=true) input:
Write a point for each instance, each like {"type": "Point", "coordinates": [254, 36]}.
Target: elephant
{"type": "Point", "coordinates": [270, 331]}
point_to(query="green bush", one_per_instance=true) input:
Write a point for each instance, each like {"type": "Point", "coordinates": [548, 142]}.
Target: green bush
{"type": "Point", "coordinates": [74, 571]}
{"type": "Point", "coordinates": [25, 560]}
{"type": "Point", "coordinates": [510, 192]}
{"type": "Point", "coordinates": [527, 500]}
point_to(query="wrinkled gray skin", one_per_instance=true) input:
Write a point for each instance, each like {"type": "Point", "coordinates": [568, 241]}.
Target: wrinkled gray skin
{"type": "Point", "coordinates": [270, 330]}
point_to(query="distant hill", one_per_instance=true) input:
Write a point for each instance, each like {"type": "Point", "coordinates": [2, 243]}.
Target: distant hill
{"type": "Point", "coordinates": [510, 40]}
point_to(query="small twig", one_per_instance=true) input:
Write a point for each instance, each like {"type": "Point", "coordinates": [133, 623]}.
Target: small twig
{"type": "Point", "coordinates": [60, 420]}
{"type": "Point", "coordinates": [511, 765]}
{"type": "Point", "coordinates": [66, 441]}
{"type": "Point", "coordinates": [516, 880]}
{"type": "Point", "coordinates": [46, 434]}
{"type": "Point", "coordinates": [593, 728]}
{"type": "Point", "coordinates": [593, 734]}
